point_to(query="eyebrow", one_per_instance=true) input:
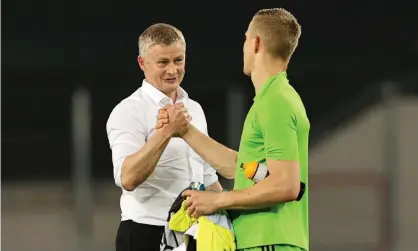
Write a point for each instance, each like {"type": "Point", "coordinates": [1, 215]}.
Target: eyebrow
{"type": "Point", "coordinates": [165, 58]}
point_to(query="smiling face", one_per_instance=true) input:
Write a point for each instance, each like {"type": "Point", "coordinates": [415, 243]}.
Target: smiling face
{"type": "Point", "coordinates": [164, 66]}
{"type": "Point", "coordinates": [162, 55]}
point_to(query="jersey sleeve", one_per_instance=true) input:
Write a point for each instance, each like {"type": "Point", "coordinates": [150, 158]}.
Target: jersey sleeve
{"type": "Point", "coordinates": [278, 125]}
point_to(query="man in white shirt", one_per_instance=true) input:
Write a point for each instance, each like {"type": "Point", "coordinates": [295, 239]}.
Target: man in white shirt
{"type": "Point", "coordinates": [153, 166]}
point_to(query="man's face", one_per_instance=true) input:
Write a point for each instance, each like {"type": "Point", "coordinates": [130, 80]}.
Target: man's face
{"type": "Point", "coordinates": [248, 53]}
{"type": "Point", "coordinates": [163, 66]}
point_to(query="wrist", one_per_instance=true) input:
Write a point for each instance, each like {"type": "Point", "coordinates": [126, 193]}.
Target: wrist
{"type": "Point", "coordinates": [165, 132]}
{"type": "Point", "coordinates": [223, 201]}
{"type": "Point", "coordinates": [188, 132]}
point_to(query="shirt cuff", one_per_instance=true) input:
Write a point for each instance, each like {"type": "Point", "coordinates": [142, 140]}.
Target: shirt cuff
{"type": "Point", "coordinates": [117, 172]}
{"type": "Point", "coordinates": [210, 179]}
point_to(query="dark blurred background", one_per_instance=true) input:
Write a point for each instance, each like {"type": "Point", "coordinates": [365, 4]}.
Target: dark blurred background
{"type": "Point", "coordinates": [352, 56]}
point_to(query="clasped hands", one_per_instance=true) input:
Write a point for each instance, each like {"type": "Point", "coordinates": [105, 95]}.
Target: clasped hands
{"type": "Point", "coordinates": [175, 118]}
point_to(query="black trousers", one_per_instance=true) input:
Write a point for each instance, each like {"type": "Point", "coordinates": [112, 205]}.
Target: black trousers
{"type": "Point", "coordinates": [134, 236]}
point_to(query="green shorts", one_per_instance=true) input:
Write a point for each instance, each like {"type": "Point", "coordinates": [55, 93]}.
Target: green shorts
{"type": "Point", "coordinates": [273, 248]}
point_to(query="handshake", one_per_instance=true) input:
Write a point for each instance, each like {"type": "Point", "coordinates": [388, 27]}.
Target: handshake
{"type": "Point", "coordinates": [174, 119]}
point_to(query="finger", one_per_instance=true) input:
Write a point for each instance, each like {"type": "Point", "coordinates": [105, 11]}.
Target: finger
{"type": "Point", "coordinates": [190, 210]}
{"type": "Point", "coordinates": [188, 203]}
{"type": "Point", "coordinates": [195, 214]}
{"type": "Point", "coordinates": [179, 105]}
{"type": "Point", "coordinates": [163, 110]}
{"type": "Point", "coordinates": [189, 119]}
{"type": "Point", "coordinates": [187, 193]}
{"type": "Point", "coordinates": [160, 125]}
{"type": "Point", "coordinates": [162, 116]}
{"type": "Point", "coordinates": [170, 109]}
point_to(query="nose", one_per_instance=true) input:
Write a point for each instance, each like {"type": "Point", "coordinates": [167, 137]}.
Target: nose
{"type": "Point", "coordinates": [171, 69]}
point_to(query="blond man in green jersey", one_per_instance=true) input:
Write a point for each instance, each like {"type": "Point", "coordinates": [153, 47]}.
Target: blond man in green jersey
{"type": "Point", "coordinates": [266, 215]}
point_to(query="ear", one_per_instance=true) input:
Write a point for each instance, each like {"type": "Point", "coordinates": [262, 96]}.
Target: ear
{"type": "Point", "coordinates": [257, 44]}
{"type": "Point", "coordinates": [141, 62]}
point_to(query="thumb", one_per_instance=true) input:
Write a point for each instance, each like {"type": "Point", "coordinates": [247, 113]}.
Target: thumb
{"type": "Point", "coordinates": [189, 119]}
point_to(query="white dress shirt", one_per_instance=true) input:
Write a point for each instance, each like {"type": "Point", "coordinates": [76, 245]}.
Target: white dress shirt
{"type": "Point", "coordinates": [129, 126]}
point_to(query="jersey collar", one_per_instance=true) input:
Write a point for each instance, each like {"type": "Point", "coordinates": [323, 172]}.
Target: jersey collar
{"type": "Point", "coordinates": [269, 81]}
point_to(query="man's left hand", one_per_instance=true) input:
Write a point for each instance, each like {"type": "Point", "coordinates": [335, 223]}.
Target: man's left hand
{"type": "Point", "coordinates": [201, 202]}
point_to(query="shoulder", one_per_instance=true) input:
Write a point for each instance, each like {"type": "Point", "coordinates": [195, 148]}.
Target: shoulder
{"type": "Point", "coordinates": [280, 97]}
{"type": "Point", "coordinates": [274, 101]}
{"type": "Point", "coordinates": [278, 105]}
{"type": "Point", "coordinates": [197, 113]}
{"type": "Point", "coordinates": [131, 108]}
{"type": "Point", "coordinates": [194, 106]}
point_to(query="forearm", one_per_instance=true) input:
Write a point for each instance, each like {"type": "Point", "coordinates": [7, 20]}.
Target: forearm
{"type": "Point", "coordinates": [270, 191]}
{"type": "Point", "coordinates": [137, 167]}
{"type": "Point", "coordinates": [220, 157]}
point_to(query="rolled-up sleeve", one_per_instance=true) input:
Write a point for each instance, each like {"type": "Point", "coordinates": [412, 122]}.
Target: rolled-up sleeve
{"type": "Point", "coordinates": [209, 175]}
{"type": "Point", "coordinates": [126, 134]}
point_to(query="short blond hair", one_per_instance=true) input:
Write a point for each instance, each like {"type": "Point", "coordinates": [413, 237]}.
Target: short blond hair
{"type": "Point", "coordinates": [159, 33]}
{"type": "Point", "coordinates": [279, 31]}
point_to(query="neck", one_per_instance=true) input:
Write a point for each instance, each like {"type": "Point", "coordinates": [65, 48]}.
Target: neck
{"type": "Point", "coordinates": [172, 95]}
{"type": "Point", "coordinates": [265, 69]}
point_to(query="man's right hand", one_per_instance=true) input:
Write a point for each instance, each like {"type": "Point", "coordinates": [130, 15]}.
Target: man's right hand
{"type": "Point", "coordinates": [173, 118]}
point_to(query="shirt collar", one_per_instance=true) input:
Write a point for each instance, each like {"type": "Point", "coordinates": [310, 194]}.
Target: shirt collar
{"type": "Point", "coordinates": [160, 98]}
{"type": "Point", "coordinates": [271, 80]}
